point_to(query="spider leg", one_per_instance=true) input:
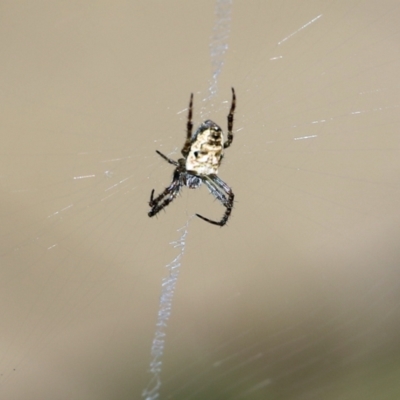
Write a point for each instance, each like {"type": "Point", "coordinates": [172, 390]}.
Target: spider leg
{"type": "Point", "coordinates": [163, 199]}
{"type": "Point", "coordinates": [173, 162]}
{"type": "Point", "coordinates": [230, 120]}
{"type": "Point", "coordinates": [216, 192]}
{"type": "Point", "coordinates": [175, 182]}
{"type": "Point", "coordinates": [151, 198]}
{"type": "Point", "coordinates": [216, 186]}
{"type": "Point", "coordinates": [189, 127]}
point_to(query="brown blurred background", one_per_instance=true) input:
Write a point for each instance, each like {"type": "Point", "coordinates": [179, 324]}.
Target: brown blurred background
{"type": "Point", "coordinates": [297, 297]}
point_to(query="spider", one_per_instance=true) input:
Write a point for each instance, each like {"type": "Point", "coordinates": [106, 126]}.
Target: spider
{"type": "Point", "coordinates": [202, 156]}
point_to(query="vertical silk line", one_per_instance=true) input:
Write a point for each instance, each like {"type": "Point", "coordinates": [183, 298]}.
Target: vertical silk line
{"type": "Point", "coordinates": [218, 48]}
{"type": "Point", "coordinates": [164, 312]}
{"type": "Point", "coordinates": [219, 41]}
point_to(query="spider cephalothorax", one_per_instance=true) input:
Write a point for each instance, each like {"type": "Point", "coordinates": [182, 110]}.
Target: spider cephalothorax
{"type": "Point", "coordinates": [202, 156]}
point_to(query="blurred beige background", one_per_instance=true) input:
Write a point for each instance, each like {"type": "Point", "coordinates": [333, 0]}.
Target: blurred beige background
{"type": "Point", "coordinates": [297, 297]}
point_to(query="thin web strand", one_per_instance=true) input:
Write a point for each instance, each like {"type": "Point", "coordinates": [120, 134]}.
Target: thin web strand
{"type": "Point", "coordinates": [218, 48]}
{"type": "Point", "coordinates": [164, 312]}
{"type": "Point", "coordinates": [219, 41]}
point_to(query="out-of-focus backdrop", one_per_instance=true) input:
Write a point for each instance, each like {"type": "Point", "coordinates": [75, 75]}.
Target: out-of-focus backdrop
{"type": "Point", "coordinates": [297, 297]}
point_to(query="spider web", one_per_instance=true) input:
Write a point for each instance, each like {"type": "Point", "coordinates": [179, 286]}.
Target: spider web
{"type": "Point", "coordinates": [218, 48]}
{"type": "Point", "coordinates": [297, 298]}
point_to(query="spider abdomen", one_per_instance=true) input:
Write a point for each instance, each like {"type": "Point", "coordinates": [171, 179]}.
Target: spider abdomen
{"type": "Point", "coordinates": [205, 153]}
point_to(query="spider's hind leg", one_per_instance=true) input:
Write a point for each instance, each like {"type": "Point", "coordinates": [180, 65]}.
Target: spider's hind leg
{"type": "Point", "coordinates": [230, 121]}
{"type": "Point", "coordinates": [189, 127]}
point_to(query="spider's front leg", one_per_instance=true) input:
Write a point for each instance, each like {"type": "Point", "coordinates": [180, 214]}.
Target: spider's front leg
{"type": "Point", "coordinates": [163, 199]}
{"type": "Point", "coordinates": [216, 186]}
{"type": "Point", "coordinates": [151, 202]}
